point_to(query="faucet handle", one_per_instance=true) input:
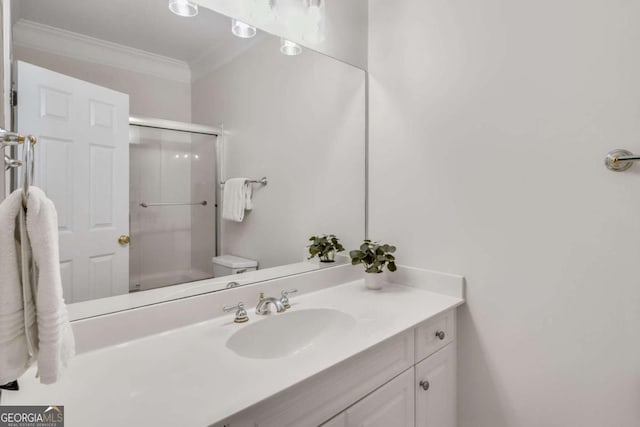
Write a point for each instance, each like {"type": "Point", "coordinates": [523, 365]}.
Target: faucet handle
{"type": "Point", "coordinates": [241, 313]}
{"type": "Point", "coordinates": [284, 299]}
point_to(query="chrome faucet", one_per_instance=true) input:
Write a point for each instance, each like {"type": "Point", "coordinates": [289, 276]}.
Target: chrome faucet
{"type": "Point", "coordinates": [264, 305]}
{"type": "Point", "coordinates": [284, 299]}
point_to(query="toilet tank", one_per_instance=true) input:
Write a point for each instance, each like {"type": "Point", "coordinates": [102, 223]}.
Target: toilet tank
{"type": "Point", "coordinates": [226, 265]}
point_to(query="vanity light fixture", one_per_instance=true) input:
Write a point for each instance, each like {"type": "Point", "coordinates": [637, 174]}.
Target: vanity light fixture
{"type": "Point", "coordinates": [242, 30]}
{"type": "Point", "coordinates": [183, 8]}
{"type": "Point", "coordinates": [290, 48]}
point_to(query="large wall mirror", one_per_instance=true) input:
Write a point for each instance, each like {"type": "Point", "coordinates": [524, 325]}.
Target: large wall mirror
{"type": "Point", "coordinates": [147, 115]}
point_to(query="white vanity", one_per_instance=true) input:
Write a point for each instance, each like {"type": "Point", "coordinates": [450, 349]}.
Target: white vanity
{"type": "Point", "coordinates": [340, 356]}
{"type": "Point", "coordinates": [406, 380]}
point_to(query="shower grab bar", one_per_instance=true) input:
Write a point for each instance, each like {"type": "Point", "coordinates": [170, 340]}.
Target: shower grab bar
{"type": "Point", "coordinates": [148, 205]}
{"type": "Point", "coordinates": [261, 181]}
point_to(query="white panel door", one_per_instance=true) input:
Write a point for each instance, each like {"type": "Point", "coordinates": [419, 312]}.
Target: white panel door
{"type": "Point", "coordinates": [436, 406]}
{"type": "Point", "coordinates": [390, 405]}
{"type": "Point", "coordinates": [82, 163]}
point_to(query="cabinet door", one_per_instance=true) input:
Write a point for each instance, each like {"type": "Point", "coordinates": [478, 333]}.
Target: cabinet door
{"type": "Point", "coordinates": [390, 405]}
{"type": "Point", "coordinates": [436, 389]}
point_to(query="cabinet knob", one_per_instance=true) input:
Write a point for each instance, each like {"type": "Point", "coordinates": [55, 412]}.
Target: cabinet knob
{"type": "Point", "coordinates": [425, 385]}
{"type": "Point", "coordinates": [440, 334]}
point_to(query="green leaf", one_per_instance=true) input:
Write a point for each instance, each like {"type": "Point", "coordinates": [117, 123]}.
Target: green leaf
{"type": "Point", "coordinates": [392, 266]}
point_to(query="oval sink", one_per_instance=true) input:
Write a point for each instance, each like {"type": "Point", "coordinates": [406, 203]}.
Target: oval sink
{"type": "Point", "coordinates": [286, 334]}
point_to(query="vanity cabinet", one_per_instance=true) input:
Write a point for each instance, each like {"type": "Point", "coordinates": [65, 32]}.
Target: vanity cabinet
{"type": "Point", "coordinates": [406, 381]}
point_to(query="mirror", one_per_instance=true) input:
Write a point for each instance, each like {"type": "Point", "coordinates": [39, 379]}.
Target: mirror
{"type": "Point", "coordinates": [146, 118]}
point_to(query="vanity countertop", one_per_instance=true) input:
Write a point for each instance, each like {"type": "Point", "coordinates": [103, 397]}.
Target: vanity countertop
{"type": "Point", "coordinates": [188, 376]}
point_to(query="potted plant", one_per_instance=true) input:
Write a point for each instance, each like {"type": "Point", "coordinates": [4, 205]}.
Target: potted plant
{"type": "Point", "coordinates": [374, 256]}
{"type": "Point", "coordinates": [324, 247]}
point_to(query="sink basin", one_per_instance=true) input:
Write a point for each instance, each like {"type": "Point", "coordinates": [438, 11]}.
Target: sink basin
{"type": "Point", "coordinates": [289, 333]}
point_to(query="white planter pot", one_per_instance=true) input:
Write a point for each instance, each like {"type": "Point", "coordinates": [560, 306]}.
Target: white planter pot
{"type": "Point", "coordinates": [374, 281]}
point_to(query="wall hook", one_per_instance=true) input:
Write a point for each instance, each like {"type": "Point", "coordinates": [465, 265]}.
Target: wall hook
{"type": "Point", "coordinates": [620, 160]}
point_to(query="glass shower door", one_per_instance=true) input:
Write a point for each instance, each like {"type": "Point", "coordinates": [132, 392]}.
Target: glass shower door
{"type": "Point", "coordinates": [172, 207]}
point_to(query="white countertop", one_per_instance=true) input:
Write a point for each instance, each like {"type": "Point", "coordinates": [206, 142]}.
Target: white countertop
{"type": "Point", "coordinates": [188, 377]}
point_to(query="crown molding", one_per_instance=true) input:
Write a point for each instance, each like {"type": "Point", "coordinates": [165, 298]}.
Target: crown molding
{"type": "Point", "coordinates": [61, 42]}
{"type": "Point", "coordinates": [216, 57]}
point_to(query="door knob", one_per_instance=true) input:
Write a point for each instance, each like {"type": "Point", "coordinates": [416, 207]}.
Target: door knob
{"type": "Point", "coordinates": [124, 239]}
{"type": "Point", "coordinates": [425, 385]}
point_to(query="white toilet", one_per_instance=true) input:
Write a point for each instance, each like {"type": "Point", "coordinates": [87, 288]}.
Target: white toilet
{"type": "Point", "coordinates": [226, 265]}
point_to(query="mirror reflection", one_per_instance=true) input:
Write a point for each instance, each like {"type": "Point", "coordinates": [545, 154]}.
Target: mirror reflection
{"type": "Point", "coordinates": [185, 151]}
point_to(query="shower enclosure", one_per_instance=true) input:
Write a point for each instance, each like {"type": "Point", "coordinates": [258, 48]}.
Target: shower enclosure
{"type": "Point", "coordinates": [172, 203]}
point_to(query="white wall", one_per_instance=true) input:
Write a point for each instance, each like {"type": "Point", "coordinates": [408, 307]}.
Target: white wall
{"type": "Point", "coordinates": [345, 25]}
{"type": "Point", "coordinates": [299, 121]}
{"type": "Point", "coordinates": [489, 124]}
{"type": "Point", "coordinates": [149, 96]}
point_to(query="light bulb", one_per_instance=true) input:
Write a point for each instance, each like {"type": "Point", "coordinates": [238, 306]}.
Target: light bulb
{"type": "Point", "coordinates": [290, 48]}
{"type": "Point", "coordinates": [183, 8]}
{"type": "Point", "coordinates": [242, 30]}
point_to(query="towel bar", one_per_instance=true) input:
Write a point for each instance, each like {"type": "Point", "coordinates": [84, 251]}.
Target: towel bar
{"type": "Point", "coordinates": [148, 205]}
{"type": "Point", "coordinates": [620, 160]}
{"type": "Point", "coordinates": [261, 181]}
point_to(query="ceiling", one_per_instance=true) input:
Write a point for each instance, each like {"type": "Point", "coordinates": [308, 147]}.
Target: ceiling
{"type": "Point", "coordinates": [143, 24]}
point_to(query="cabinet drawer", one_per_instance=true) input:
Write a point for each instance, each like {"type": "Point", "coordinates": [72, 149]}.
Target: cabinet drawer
{"type": "Point", "coordinates": [434, 334]}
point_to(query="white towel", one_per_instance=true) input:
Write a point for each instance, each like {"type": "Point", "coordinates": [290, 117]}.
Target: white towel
{"type": "Point", "coordinates": [248, 196]}
{"type": "Point", "coordinates": [33, 317]}
{"type": "Point", "coordinates": [236, 199]}
{"type": "Point", "coordinates": [15, 322]}
{"type": "Point", "coordinates": [55, 337]}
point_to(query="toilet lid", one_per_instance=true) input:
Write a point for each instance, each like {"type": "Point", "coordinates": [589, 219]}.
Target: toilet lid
{"type": "Point", "coordinates": [232, 261]}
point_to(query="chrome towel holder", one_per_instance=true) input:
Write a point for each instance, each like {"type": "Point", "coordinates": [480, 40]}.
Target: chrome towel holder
{"type": "Point", "coordinates": [620, 160]}
{"type": "Point", "coordinates": [12, 139]}
{"type": "Point", "coordinates": [148, 205]}
{"type": "Point", "coordinates": [261, 181]}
